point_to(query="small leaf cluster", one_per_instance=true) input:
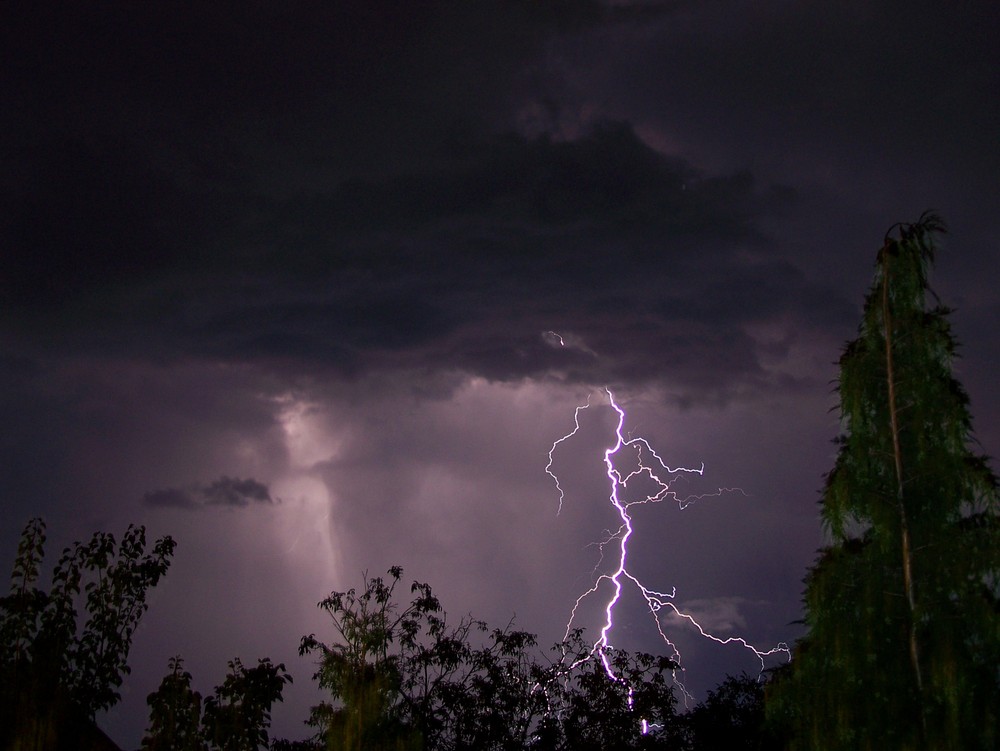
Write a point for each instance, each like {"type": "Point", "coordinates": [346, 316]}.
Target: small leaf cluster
{"type": "Point", "coordinates": [174, 713]}
{"type": "Point", "coordinates": [236, 717]}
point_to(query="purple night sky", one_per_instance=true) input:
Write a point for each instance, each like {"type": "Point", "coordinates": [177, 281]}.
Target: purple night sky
{"type": "Point", "coordinates": [280, 280]}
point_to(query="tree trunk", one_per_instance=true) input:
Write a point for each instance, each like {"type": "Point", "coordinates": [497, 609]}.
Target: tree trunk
{"type": "Point", "coordinates": [898, 459]}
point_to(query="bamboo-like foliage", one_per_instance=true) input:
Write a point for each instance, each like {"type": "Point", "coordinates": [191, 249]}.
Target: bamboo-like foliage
{"type": "Point", "coordinates": [903, 606]}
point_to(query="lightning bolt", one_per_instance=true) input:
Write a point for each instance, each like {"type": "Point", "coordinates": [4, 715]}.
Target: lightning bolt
{"type": "Point", "coordinates": [548, 467]}
{"type": "Point", "coordinates": [650, 465]}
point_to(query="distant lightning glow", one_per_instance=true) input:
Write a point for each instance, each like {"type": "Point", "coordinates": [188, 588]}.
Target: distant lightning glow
{"type": "Point", "coordinates": [651, 466]}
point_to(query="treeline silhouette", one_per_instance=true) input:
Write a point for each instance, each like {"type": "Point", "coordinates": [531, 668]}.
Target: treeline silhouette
{"type": "Point", "coordinates": [902, 610]}
{"type": "Point", "coordinates": [399, 675]}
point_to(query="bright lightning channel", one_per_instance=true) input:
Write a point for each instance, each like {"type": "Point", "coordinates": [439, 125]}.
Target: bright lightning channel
{"type": "Point", "coordinates": [651, 466]}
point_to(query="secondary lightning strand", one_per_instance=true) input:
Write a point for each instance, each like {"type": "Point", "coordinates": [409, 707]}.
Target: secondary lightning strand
{"type": "Point", "coordinates": [656, 601]}
{"type": "Point", "coordinates": [548, 467]}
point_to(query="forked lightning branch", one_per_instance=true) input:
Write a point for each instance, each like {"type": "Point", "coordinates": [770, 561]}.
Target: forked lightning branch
{"type": "Point", "coordinates": [644, 464]}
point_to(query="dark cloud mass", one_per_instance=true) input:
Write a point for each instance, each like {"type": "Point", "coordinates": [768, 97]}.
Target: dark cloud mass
{"type": "Point", "coordinates": [371, 256]}
{"type": "Point", "coordinates": [226, 491]}
{"type": "Point", "coordinates": [405, 271]}
{"type": "Point", "coordinates": [171, 497]}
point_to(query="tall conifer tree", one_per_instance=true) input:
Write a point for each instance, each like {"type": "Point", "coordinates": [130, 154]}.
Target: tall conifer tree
{"type": "Point", "coordinates": [903, 606]}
